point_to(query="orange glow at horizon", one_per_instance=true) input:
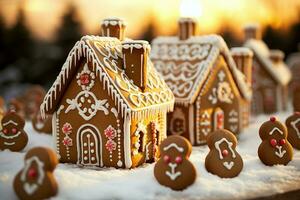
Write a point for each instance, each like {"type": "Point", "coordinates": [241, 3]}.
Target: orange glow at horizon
{"type": "Point", "coordinates": [43, 17]}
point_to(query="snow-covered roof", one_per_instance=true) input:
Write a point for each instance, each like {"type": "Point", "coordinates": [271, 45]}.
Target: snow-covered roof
{"type": "Point", "coordinates": [279, 70]}
{"type": "Point", "coordinates": [105, 54]}
{"type": "Point", "coordinates": [185, 64]}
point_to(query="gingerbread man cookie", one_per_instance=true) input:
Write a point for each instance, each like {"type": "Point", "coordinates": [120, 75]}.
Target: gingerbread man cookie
{"type": "Point", "coordinates": [274, 149]}
{"type": "Point", "coordinates": [36, 179]}
{"type": "Point", "coordinates": [12, 135]}
{"type": "Point", "coordinates": [173, 169]}
{"type": "Point", "coordinates": [223, 160]}
{"type": "Point", "coordinates": [293, 126]}
{"type": "Point", "coordinates": [42, 125]}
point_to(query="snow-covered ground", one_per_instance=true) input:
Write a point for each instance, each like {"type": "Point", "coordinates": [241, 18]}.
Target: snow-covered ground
{"type": "Point", "coordinates": [74, 182]}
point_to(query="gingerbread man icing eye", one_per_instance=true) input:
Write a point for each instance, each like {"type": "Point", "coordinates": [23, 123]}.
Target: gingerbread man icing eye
{"type": "Point", "coordinates": [273, 142]}
{"type": "Point", "coordinates": [14, 130]}
{"type": "Point", "coordinates": [282, 142]}
{"type": "Point", "coordinates": [167, 159]}
{"type": "Point", "coordinates": [5, 131]}
{"type": "Point", "coordinates": [178, 159]}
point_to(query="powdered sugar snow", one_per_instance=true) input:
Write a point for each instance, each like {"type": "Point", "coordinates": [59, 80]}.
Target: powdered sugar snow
{"type": "Point", "coordinates": [75, 182]}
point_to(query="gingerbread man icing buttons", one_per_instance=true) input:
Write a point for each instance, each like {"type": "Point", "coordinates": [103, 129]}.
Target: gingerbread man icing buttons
{"type": "Point", "coordinates": [173, 169]}
{"type": "Point", "coordinates": [293, 126]}
{"type": "Point", "coordinates": [42, 125]}
{"type": "Point", "coordinates": [12, 135]}
{"type": "Point", "coordinates": [223, 160]}
{"type": "Point", "coordinates": [36, 179]}
{"type": "Point", "coordinates": [274, 149]}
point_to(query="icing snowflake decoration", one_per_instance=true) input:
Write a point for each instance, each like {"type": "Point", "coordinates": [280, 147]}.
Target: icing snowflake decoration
{"type": "Point", "coordinates": [110, 132]}
{"type": "Point", "coordinates": [85, 79]}
{"type": "Point", "coordinates": [111, 145]}
{"type": "Point", "coordinates": [67, 141]}
{"type": "Point", "coordinates": [67, 128]}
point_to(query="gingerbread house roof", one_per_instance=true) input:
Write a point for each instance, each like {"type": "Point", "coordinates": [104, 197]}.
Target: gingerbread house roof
{"type": "Point", "coordinates": [279, 71]}
{"type": "Point", "coordinates": [185, 64]}
{"type": "Point", "coordinates": [105, 55]}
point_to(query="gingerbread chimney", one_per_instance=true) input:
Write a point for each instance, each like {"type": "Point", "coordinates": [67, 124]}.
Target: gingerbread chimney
{"type": "Point", "coordinates": [135, 57]}
{"type": "Point", "coordinates": [276, 55]}
{"type": "Point", "coordinates": [252, 31]}
{"type": "Point", "coordinates": [243, 59]}
{"type": "Point", "coordinates": [187, 28]}
{"type": "Point", "coordinates": [113, 27]}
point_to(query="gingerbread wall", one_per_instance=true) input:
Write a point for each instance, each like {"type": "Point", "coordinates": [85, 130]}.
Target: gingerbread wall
{"type": "Point", "coordinates": [218, 104]}
{"type": "Point", "coordinates": [265, 90]}
{"type": "Point", "coordinates": [88, 125]}
{"type": "Point", "coordinates": [146, 135]}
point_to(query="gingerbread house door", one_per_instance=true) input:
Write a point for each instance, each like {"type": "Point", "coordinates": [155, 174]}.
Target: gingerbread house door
{"type": "Point", "coordinates": [89, 145]}
{"type": "Point", "coordinates": [218, 119]}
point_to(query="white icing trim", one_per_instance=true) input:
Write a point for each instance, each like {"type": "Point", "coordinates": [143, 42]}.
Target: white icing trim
{"type": "Point", "coordinates": [191, 124]}
{"type": "Point", "coordinates": [275, 129]}
{"type": "Point", "coordinates": [229, 144]}
{"type": "Point", "coordinates": [9, 143]}
{"type": "Point", "coordinates": [293, 124]}
{"type": "Point", "coordinates": [54, 132]}
{"type": "Point", "coordinates": [10, 122]}
{"type": "Point", "coordinates": [174, 145]}
{"type": "Point", "coordinates": [173, 174]}
{"type": "Point", "coordinates": [127, 146]}
{"type": "Point", "coordinates": [10, 137]}
{"type": "Point", "coordinates": [31, 188]}
{"type": "Point", "coordinates": [98, 146]}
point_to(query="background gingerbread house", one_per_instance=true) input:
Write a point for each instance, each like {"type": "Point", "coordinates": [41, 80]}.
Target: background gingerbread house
{"type": "Point", "coordinates": [210, 92]}
{"type": "Point", "coordinates": [293, 61]}
{"type": "Point", "coordinates": [108, 103]}
{"type": "Point", "coordinates": [270, 75]}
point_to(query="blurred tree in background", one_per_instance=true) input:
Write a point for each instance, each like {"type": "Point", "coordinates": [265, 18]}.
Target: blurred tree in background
{"type": "Point", "coordinates": [26, 60]}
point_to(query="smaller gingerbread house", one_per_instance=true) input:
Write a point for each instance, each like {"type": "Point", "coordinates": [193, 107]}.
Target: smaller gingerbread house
{"type": "Point", "coordinates": [270, 75]}
{"type": "Point", "coordinates": [210, 91]}
{"type": "Point", "coordinates": [293, 61]}
{"type": "Point", "coordinates": [109, 104]}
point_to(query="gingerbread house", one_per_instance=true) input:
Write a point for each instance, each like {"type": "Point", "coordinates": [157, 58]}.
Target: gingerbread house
{"type": "Point", "coordinates": [270, 75]}
{"type": "Point", "coordinates": [108, 103]}
{"type": "Point", "coordinates": [210, 91]}
{"type": "Point", "coordinates": [293, 61]}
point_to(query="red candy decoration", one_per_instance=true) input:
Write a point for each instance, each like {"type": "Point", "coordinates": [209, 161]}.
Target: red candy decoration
{"type": "Point", "coordinates": [273, 119]}
{"type": "Point", "coordinates": [282, 142]}
{"type": "Point", "coordinates": [84, 79]}
{"type": "Point", "coordinates": [178, 159]}
{"type": "Point", "coordinates": [14, 130]}
{"type": "Point", "coordinates": [5, 131]}
{"type": "Point", "coordinates": [167, 159]}
{"type": "Point", "coordinates": [224, 153]}
{"type": "Point", "coordinates": [273, 142]}
{"type": "Point", "coordinates": [297, 113]}
{"type": "Point", "coordinates": [32, 173]}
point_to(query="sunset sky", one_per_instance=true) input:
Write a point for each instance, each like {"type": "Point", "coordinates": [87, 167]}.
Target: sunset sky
{"type": "Point", "coordinates": [43, 16]}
